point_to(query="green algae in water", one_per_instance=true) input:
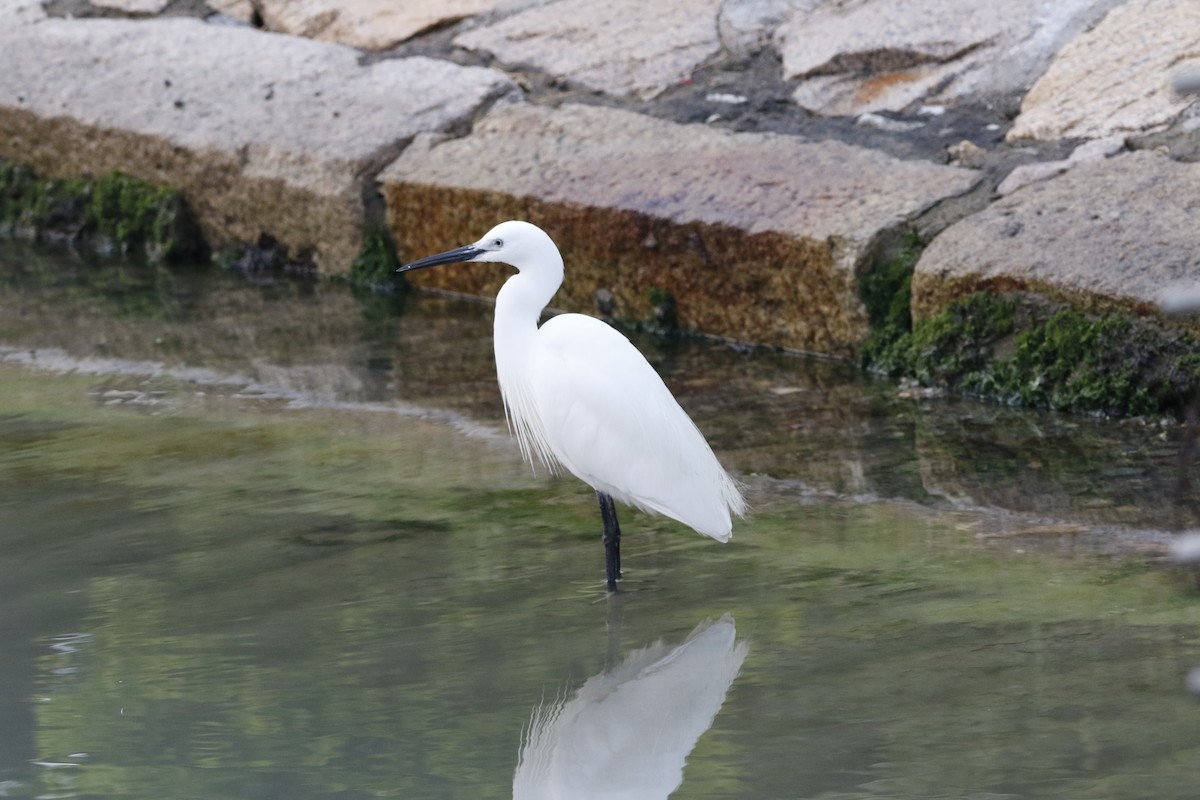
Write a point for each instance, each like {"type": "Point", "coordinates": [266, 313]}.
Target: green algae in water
{"type": "Point", "coordinates": [118, 208]}
{"type": "Point", "coordinates": [300, 603]}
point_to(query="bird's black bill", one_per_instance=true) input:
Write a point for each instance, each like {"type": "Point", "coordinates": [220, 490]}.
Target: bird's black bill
{"type": "Point", "coordinates": [456, 256]}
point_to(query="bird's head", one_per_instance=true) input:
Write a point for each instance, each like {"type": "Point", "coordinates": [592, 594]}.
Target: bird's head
{"type": "Point", "coordinates": [517, 243]}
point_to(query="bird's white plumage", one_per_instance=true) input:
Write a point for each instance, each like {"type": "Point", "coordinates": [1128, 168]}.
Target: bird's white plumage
{"type": "Point", "coordinates": [580, 397]}
{"type": "Point", "coordinates": [611, 421]}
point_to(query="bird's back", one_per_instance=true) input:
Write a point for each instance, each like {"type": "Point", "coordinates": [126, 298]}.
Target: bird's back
{"type": "Point", "coordinates": [608, 418]}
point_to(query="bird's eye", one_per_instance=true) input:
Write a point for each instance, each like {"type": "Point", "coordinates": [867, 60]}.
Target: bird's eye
{"type": "Point", "coordinates": [497, 243]}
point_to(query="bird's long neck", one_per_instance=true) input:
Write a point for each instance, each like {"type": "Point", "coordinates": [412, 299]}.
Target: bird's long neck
{"type": "Point", "coordinates": [519, 305]}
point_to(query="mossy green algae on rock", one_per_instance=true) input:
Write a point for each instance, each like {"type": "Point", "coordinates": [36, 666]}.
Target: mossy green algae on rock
{"type": "Point", "coordinates": [886, 292]}
{"type": "Point", "coordinates": [113, 212]}
{"type": "Point", "coordinates": [1019, 348]}
{"type": "Point", "coordinates": [376, 264]}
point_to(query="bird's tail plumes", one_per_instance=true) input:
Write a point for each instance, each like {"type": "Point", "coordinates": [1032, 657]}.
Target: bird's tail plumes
{"type": "Point", "coordinates": [709, 509]}
{"type": "Point", "coordinates": [735, 501]}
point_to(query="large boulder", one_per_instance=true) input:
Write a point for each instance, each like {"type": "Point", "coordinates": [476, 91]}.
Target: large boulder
{"type": "Point", "coordinates": [368, 24]}
{"type": "Point", "coordinates": [239, 10]}
{"type": "Point", "coordinates": [622, 47]}
{"type": "Point", "coordinates": [1116, 78]}
{"type": "Point", "coordinates": [133, 7]}
{"type": "Point", "coordinates": [20, 12]}
{"type": "Point", "coordinates": [890, 54]}
{"type": "Point", "coordinates": [1107, 236]}
{"type": "Point", "coordinates": [262, 133]}
{"type": "Point", "coordinates": [758, 237]}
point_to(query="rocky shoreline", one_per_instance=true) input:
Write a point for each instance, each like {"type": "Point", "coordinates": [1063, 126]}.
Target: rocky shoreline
{"type": "Point", "coordinates": [829, 177]}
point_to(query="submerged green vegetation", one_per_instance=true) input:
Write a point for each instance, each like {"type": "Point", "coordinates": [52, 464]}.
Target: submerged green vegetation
{"type": "Point", "coordinates": [115, 212]}
{"type": "Point", "coordinates": [1021, 349]}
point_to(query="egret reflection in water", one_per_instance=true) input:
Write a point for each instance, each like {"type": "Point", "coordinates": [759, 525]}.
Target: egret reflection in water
{"type": "Point", "coordinates": [627, 732]}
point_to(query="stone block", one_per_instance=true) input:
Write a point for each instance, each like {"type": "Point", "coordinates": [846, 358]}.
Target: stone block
{"type": "Point", "coordinates": [758, 237]}
{"type": "Point", "coordinates": [262, 133]}
{"type": "Point", "coordinates": [886, 55]}
{"type": "Point", "coordinates": [367, 24]}
{"type": "Point", "coordinates": [1116, 78]}
{"type": "Point", "coordinates": [1106, 236]}
{"type": "Point", "coordinates": [622, 47]}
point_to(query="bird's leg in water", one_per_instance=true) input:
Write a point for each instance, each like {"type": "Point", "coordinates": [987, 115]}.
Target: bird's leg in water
{"type": "Point", "coordinates": [612, 540]}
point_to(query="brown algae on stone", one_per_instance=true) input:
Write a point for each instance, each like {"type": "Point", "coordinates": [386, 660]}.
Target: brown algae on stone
{"type": "Point", "coordinates": [634, 255]}
{"type": "Point", "coordinates": [759, 237]}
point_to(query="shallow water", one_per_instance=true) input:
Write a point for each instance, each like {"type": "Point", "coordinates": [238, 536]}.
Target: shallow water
{"type": "Point", "coordinates": [264, 539]}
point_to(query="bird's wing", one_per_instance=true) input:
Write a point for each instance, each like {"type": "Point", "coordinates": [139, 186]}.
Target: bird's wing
{"type": "Point", "coordinates": [612, 422]}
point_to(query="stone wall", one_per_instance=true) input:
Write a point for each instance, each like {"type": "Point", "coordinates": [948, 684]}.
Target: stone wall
{"type": "Point", "coordinates": [758, 161]}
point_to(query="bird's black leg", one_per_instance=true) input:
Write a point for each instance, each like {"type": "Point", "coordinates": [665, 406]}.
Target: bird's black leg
{"type": "Point", "coordinates": [612, 540]}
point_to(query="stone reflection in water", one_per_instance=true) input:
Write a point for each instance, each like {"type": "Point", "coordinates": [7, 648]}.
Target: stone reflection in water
{"type": "Point", "coordinates": [628, 731]}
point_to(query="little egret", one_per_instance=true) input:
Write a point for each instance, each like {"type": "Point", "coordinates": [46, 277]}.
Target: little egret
{"type": "Point", "coordinates": [579, 396]}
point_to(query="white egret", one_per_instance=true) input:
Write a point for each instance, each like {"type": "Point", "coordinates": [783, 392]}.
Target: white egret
{"type": "Point", "coordinates": [580, 397]}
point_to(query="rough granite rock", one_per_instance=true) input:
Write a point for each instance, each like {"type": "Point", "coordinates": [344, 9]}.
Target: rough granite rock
{"type": "Point", "coordinates": [367, 24]}
{"type": "Point", "coordinates": [1116, 78]}
{"type": "Point", "coordinates": [135, 7]}
{"type": "Point", "coordinates": [747, 26]}
{"type": "Point", "coordinates": [1107, 236]}
{"type": "Point", "coordinates": [262, 133]}
{"type": "Point", "coordinates": [240, 10]}
{"type": "Point", "coordinates": [758, 237]}
{"type": "Point", "coordinates": [20, 12]}
{"type": "Point", "coordinates": [885, 55]}
{"type": "Point", "coordinates": [623, 47]}
{"type": "Point", "coordinates": [1092, 150]}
